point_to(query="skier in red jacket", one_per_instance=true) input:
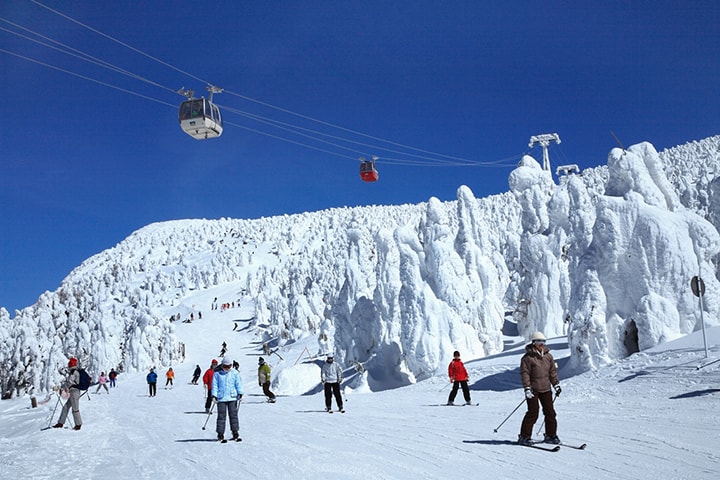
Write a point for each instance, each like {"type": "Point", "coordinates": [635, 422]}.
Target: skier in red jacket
{"type": "Point", "coordinates": [207, 380]}
{"type": "Point", "coordinates": [459, 378]}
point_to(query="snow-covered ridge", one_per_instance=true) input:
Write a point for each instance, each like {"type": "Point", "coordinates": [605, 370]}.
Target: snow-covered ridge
{"type": "Point", "coordinates": [605, 256]}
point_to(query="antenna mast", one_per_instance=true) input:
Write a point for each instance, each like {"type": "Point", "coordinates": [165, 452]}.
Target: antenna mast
{"type": "Point", "coordinates": [544, 141]}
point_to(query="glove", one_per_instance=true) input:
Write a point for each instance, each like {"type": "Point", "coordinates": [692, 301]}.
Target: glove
{"type": "Point", "coordinates": [259, 384]}
{"type": "Point", "coordinates": [214, 399]}
{"type": "Point", "coordinates": [557, 389]}
{"type": "Point", "coordinates": [452, 380]}
{"type": "Point", "coordinates": [529, 393]}
{"type": "Point", "coordinates": [240, 397]}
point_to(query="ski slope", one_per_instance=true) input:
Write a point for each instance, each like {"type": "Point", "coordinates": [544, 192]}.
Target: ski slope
{"type": "Point", "coordinates": [651, 415]}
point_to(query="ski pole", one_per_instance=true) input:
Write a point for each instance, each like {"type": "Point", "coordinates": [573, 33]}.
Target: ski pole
{"type": "Point", "coordinates": [209, 414]}
{"type": "Point", "coordinates": [508, 417]}
{"type": "Point", "coordinates": [54, 409]}
{"type": "Point", "coordinates": [707, 364]}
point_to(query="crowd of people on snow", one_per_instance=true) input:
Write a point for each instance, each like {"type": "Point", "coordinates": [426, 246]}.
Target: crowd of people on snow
{"type": "Point", "coordinates": [224, 390]}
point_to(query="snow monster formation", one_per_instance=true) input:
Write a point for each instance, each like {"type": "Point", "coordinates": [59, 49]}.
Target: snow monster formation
{"type": "Point", "coordinates": [613, 271]}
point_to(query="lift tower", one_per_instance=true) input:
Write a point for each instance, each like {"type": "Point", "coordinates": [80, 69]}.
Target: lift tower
{"type": "Point", "coordinates": [544, 141]}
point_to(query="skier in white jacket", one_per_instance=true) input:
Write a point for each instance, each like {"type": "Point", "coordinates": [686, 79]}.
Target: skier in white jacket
{"type": "Point", "coordinates": [331, 376]}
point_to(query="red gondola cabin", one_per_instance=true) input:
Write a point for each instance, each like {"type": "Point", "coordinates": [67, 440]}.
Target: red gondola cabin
{"type": "Point", "coordinates": [368, 172]}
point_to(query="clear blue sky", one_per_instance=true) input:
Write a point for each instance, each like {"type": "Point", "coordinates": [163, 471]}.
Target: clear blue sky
{"type": "Point", "coordinates": [83, 165]}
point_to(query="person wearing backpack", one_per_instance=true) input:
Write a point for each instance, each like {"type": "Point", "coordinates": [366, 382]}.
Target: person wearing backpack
{"type": "Point", "coordinates": [72, 383]}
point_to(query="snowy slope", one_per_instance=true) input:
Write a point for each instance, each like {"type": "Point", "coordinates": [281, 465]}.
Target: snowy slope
{"type": "Point", "coordinates": [606, 257]}
{"type": "Point", "coordinates": [648, 416]}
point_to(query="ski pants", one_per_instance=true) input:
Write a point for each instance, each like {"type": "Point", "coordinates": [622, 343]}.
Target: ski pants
{"type": "Point", "coordinates": [153, 388]}
{"type": "Point", "coordinates": [74, 402]}
{"type": "Point", "coordinates": [266, 390]}
{"type": "Point", "coordinates": [330, 390]}
{"type": "Point", "coordinates": [208, 400]}
{"type": "Point", "coordinates": [546, 400]}
{"type": "Point", "coordinates": [101, 385]}
{"type": "Point", "coordinates": [465, 390]}
{"type": "Point", "coordinates": [225, 409]}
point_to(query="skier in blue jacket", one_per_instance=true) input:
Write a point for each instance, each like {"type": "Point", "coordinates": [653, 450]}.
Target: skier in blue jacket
{"type": "Point", "coordinates": [152, 382]}
{"type": "Point", "coordinates": [227, 392]}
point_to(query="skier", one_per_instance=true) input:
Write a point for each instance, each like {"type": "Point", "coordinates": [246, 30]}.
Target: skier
{"type": "Point", "coordinates": [227, 391]}
{"type": "Point", "coordinates": [538, 373]}
{"type": "Point", "coordinates": [196, 375]}
{"type": "Point", "coordinates": [169, 377]}
{"type": "Point", "coordinates": [264, 379]}
{"type": "Point", "coordinates": [102, 382]}
{"type": "Point", "coordinates": [112, 376]}
{"type": "Point", "coordinates": [152, 382]}
{"type": "Point", "coordinates": [72, 383]}
{"type": "Point", "coordinates": [207, 381]}
{"type": "Point", "coordinates": [331, 376]}
{"type": "Point", "coordinates": [459, 378]}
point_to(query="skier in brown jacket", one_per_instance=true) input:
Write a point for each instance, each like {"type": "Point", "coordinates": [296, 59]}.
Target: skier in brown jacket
{"type": "Point", "coordinates": [538, 372]}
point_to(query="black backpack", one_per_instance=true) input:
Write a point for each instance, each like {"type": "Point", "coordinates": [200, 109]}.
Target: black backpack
{"type": "Point", "coordinates": [85, 380]}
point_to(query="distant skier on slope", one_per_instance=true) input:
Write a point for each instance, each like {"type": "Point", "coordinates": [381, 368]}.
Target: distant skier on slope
{"type": "Point", "coordinates": [169, 378]}
{"type": "Point", "coordinates": [152, 382]}
{"type": "Point", "coordinates": [102, 383]}
{"type": "Point", "coordinates": [331, 376]}
{"type": "Point", "coordinates": [459, 378]}
{"type": "Point", "coordinates": [538, 373]}
{"type": "Point", "coordinates": [196, 375]}
{"type": "Point", "coordinates": [112, 376]}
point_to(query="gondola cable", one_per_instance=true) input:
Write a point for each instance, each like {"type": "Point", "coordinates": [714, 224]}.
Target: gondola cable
{"type": "Point", "coordinates": [428, 161]}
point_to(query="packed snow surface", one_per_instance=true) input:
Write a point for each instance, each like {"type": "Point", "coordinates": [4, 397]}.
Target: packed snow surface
{"type": "Point", "coordinates": [647, 416]}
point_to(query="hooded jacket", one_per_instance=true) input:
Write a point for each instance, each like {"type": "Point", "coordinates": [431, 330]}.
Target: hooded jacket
{"type": "Point", "coordinates": [537, 369]}
{"type": "Point", "coordinates": [226, 385]}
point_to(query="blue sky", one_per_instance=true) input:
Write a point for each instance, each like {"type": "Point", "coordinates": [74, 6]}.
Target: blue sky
{"type": "Point", "coordinates": [83, 164]}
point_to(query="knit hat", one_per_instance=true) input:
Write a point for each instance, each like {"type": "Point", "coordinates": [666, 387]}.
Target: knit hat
{"type": "Point", "coordinates": [214, 362]}
{"type": "Point", "coordinates": [537, 336]}
{"type": "Point", "coordinates": [72, 362]}
{"type": "Point", "coordinates": [227, 360]}
{"type": "Point", "coordinates": [261, 360]}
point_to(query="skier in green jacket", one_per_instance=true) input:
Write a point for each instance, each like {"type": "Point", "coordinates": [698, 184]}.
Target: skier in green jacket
{"type": "Point", "coordinates": [264, 379]}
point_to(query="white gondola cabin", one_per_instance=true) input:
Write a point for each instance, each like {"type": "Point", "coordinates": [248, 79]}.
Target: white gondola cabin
{"type": "Point", "coordinates": [200, 118]}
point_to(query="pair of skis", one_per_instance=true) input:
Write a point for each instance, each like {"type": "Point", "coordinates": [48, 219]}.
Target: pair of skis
{"type": "Point", "coordinates": [548, 447]}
